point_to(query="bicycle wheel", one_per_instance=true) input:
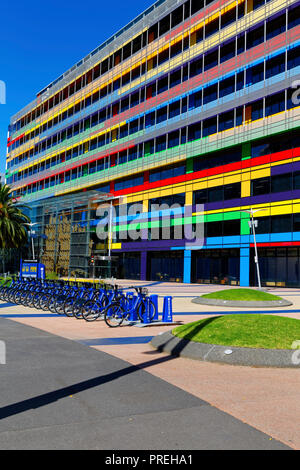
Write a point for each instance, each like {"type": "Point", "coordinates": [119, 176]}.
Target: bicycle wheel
{"type": "Point", "coordinates": [51, 304]}
{"type": "Point", "coordinates": [68, 306]}
{"type": "Point", "coordinates": [36, 301]}
{"type": "Point", "coordinates": [141, 309]}
{"type": "Point", "coordinates": [44, 302]}
{"type": "Point", "coordinates": [17, 297]}
{"type": "Point", "coordinates": [90, 311]}
{"type": "Point", "coordinates": [114, 315]}
{"type": "Point", "coordinates": [9, 297]}
{"type": "Point", "coordinates": [59, 307]}
{"type": "Point", "coordinates": [77, 308]}
{"type": "Point", "coordinates": [27, 302]}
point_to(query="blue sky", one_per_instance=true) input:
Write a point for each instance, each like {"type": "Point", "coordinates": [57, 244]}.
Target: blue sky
{"type": "Point", "coordinates": [41, 40]}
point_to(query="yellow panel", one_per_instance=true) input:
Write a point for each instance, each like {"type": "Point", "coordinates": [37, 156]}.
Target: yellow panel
{"type": "Point", "coordinates": [155, 194]}
{"type": "Point", "coordinates": [215, 182]}
{"type": "Point", "coordinates": [202, 185]}
{"type": "Point", "coordinates": [246, 175]}
{"type": "Point", "coordinates": [265, 212]}
{"type": "Point", "coordinates": [178, 188]}
{"type": "Point", "coordinates": [246, 189]}
{"type": "Point", "coordinates": [232, 179]}
{"type": "Point", "coordinates": [283, 162]}
{"type": "Point", "coordinates": [249, 6]}
{"type": "Point", "coordinates": [286, 209]}
{"type": "Point", "coordinates": [116, 246]}
{"type": "Point", "coordinates": [189, 187]}
{"type": "Point", "coordinates": [296, 208]}
{"type": "Point", "coordinates": [260, 173]}
{"type": "Point", "coordinates": [193, 39]}
{"type": "Point", "coordinates": [189, 198]}
{"type": "Point", "coordinates": [166, 192]}
{"type": "Point", "coordinates": [150, 65]}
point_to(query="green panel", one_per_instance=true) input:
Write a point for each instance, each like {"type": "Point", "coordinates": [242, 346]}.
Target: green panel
{"type": "Point", "coordinates": [213, 217]}
{"type": "Point", "coordinates": [147, 148]}
{"type": "Point", "coordinates": [234, 215]}
{"type": "Point", "coordinates": [246, 150]}
{"type": "Point", "coordinates": [245, 229]}
{"type": "Point", "coordinates": [189, 165]}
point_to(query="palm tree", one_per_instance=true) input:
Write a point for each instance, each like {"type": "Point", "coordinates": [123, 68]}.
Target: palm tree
{"type": "Point", "coordinates": [13, 233]}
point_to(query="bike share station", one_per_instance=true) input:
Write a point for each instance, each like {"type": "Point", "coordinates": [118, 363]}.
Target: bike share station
{"type": "Point", "coordinates": [105, 264]}
{"type": "Point", "coordinates": [166, 315]}
{"type": "Point", "coordinates": [32, 269]}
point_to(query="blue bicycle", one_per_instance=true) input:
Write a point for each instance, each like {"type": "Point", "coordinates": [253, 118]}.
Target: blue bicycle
{"type": "Point", "coordinates": [117, 311]}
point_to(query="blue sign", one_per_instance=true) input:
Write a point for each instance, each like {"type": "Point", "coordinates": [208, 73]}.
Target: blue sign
{"type": "Point", "coordinates": [32, 269]}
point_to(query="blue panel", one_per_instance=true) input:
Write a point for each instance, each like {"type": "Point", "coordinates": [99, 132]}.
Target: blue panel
{"type": "Point", "coordinates": [187, 266]}
{"type": "Point", "coordinates": [244, 267]}
{"type": "Point", "coordinates": [261, 238]}
{"type": "Point", "coordinates": [281, 237]}
{"type": "Point", "coordinates": [214, 241]}
{"type": "Point", "coordinates": [231, 240]}
{"type": "Point", "coordinates": [296, 236]}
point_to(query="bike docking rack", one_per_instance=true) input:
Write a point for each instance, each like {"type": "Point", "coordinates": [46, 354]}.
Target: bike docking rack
{"type": "Point", "coordinates": [163, 318]}
{"type": "Point", "coordinates": [83, 301]}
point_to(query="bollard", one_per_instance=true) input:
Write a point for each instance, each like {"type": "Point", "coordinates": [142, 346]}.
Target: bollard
{"type": "Point", "coordinates": [167, 316]}
{"type": "Point", "coordinates": [154, 299]}
{"type": "Point", "coordinates": [146, 314]}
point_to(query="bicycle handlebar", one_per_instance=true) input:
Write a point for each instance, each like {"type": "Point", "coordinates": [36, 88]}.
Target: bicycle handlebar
{"type": "Point", "coordinates": [141, 290]}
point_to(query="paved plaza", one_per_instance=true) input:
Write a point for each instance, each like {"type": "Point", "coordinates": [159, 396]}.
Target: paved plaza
{"type": "Point", "coordinates": [72, 384]}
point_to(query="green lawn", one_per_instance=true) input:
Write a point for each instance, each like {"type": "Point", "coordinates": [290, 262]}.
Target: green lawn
{"type": "Point", "coordinates": [241, 294]}
{"type": "Point", "coordinates": [252, 331]}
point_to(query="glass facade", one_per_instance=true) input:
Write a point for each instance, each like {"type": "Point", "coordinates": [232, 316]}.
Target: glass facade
{"type": "Point", "coordinates": [192, 106]}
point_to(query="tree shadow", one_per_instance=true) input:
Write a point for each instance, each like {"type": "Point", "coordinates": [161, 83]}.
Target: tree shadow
{"type": "Point", "coordinates": [51, 397]}
{"type": "Point", "coordinates": [179, 347]}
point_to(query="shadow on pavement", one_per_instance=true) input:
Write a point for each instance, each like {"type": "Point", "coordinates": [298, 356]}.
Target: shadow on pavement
{"type": "Point", "coordinates": [176, 350]}
{"type": "Point", "coordinates": [51, 397]}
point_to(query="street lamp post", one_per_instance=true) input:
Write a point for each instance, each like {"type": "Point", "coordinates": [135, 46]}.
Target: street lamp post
{"type": "Point", "coordinates": [31, 235]}
{"type": "Point", "coordinates": [253, 224]}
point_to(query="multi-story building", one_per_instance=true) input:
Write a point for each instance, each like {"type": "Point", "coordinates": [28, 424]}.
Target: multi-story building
{"type": "Point", "coordinates": [193, 102]}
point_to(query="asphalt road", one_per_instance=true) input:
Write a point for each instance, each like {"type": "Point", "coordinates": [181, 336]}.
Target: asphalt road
{"type": "Point", "coordinates": [60, 394]}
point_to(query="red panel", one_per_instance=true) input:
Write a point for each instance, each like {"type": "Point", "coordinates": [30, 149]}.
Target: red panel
{"type": "Point", "coordinates": [115, 109]}
{"type": "Point", "coordinates": [149, 92]}
{"type": "Point", "coordinates": [261, 245]}
{"type": "Point", "coordinates": [15, 140]}
{"type": "Point", "coordinates": [228, 66]}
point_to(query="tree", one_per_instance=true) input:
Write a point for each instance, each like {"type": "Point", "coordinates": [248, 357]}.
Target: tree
{"type": "Point", "coordinates": [13, 233]}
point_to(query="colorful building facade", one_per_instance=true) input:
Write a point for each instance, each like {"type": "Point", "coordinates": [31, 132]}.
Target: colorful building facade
{"type": "Point", "coordinates": [192, 103]}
